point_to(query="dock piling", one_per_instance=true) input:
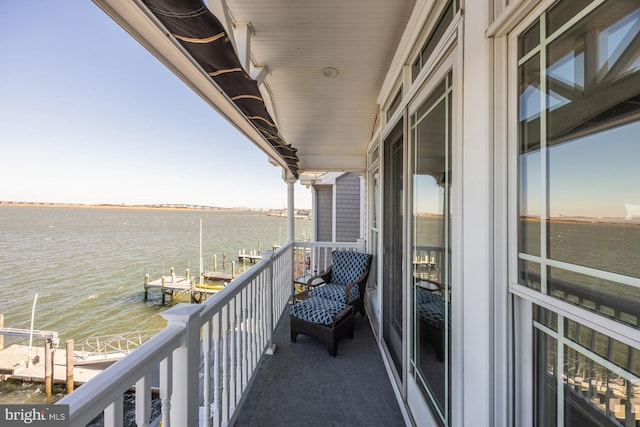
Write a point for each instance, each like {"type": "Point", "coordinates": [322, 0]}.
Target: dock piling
{"type": "Point", "coordinates": [69, 366]}
{"type": "Point", "coordinates": [48, 366]}
{"type": "Point", "coordinates": [146, 283]}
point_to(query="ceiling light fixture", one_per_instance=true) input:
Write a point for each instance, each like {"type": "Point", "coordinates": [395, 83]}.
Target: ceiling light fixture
{"type": "Point", "coordinates": [329, 72]}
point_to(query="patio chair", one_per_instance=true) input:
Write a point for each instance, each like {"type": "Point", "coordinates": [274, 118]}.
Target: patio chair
{"type": "Point", "coordinates": [345, 280]}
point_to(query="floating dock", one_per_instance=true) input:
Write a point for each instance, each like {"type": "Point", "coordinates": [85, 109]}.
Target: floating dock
{"type": "Point", "coordinates": [174, 285]}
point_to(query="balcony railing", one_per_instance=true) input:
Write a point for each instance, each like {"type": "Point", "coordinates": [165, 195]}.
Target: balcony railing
{"type": "Point", "coordinates": [221, 340]}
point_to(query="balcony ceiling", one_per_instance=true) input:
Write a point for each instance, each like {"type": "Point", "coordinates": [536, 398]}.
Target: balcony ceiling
{"type": "Point", "coordinates": [328, 119]}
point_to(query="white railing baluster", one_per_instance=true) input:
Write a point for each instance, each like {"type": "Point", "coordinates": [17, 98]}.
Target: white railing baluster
{"type": "Point", "coordinates": [225, 364]}
{"type": "Point", "coordinates": [166, 389]}
{"type": "Point", "coordinates": [239, 340]}
{"type": "Point", "coordinates": [262, 319]}
{"type": "Point", "coordinates": [245, 339]}
{"type": "Point", "coordinates": [233, 354]}
{"type": "Point", "coordinates": [206, 385]}
{"type": "Point", "coordinates": [114, 414]}
{"type": "Point", "coordinates": [217, 390]}
{"type": "Point", "coordinates": [143, 401]}
{"type": "Point", "coordinates": [253, 329]}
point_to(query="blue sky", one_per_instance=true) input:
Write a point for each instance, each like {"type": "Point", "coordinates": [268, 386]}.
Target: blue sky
{"type": "Point", "coordinates": [87, 115]}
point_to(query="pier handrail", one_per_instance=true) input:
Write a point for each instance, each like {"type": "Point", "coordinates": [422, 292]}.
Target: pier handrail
{"type": "Point", "coordinates": [236, 327]}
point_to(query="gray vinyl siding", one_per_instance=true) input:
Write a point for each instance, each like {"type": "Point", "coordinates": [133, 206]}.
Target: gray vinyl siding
{"type": "Point", "coordinates": [324, 199]}
{"type": "Point", "coordinates": [348, 208]}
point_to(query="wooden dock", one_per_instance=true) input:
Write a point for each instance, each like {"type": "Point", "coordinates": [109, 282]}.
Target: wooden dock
{"type": "Point", "coordinates": [13, 365]}
{"type": "Point", "coordinates": [174, 285]}
{"type": "Point", "coordinates": [251, 257]}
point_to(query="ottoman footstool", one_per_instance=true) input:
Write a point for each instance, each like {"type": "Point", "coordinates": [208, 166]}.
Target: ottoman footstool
{"type": "Point", "coordinates": [326, 320]}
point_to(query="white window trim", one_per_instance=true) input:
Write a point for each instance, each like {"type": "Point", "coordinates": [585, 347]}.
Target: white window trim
{"type": "Point", "coordinates": [525, 297]}
{"type": "Point", "coordinates": [447, 58]}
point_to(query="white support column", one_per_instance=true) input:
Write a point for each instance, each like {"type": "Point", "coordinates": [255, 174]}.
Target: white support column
{"type": "Point", "coordinates": [477, 388]}
{"type": "Point", "coordinates": [290, 208]}
{"type": "Point", "coordinates": [363, 216]}
{"type": "Point", "coordinates": [314, 213]}
{"type": "Point", "coordinates": [185, 405]}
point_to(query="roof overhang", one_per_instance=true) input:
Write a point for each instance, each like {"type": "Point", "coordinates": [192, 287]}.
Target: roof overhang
{"type": "Point", "coordinates": [319, 67]}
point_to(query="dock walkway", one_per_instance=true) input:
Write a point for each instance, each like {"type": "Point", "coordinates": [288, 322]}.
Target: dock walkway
{"type": "Point", "coordinates": [13, 365]}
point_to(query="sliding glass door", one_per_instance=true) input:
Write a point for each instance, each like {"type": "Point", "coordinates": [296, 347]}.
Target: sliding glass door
{"type": "Point", "coordinates": [393, 295]}
{"type": "Point", "coordinates": [430, 127]}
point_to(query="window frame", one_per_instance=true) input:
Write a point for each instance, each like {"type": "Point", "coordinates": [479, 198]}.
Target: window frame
{"type": "Point", "coordinates": [523, 298]}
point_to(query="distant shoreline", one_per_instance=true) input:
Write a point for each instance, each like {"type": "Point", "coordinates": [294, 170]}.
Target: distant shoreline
{"type": "Point", "coordinates": [165, 207]}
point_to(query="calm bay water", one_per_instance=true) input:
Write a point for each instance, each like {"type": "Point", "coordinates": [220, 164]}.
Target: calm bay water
{"type": "Point", "coordinates": [87, 265]}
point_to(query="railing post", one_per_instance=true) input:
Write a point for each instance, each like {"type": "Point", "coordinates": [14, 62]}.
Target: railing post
{"type": "Point", "coordinates": [185, 405]}
{"type": "Point", "coordinates": [268, 255]}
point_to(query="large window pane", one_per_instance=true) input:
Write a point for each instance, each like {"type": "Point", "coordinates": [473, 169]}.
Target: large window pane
{"type": "Point", "coordinates": [593, 182]}
{"type": "Point", "coordinates": [431, 130]}
{"type": "Point", "coordinates": [579, 184]}
{"type": "Point", "coordinates": [579, 206]}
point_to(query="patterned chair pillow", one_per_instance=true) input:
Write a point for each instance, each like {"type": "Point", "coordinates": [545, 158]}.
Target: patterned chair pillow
{"type": "Point", "coordinates": [317, 310]}
{"type": "Point", "coordinates": [347, 267]}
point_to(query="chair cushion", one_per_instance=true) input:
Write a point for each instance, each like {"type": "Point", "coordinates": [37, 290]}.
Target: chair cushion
{"type": "Point", "coordinates": [317, 310]}
{"type": "Point", "coordinates": [335, 292]}
{"type": "Point", "coordinates": [347, 267]}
